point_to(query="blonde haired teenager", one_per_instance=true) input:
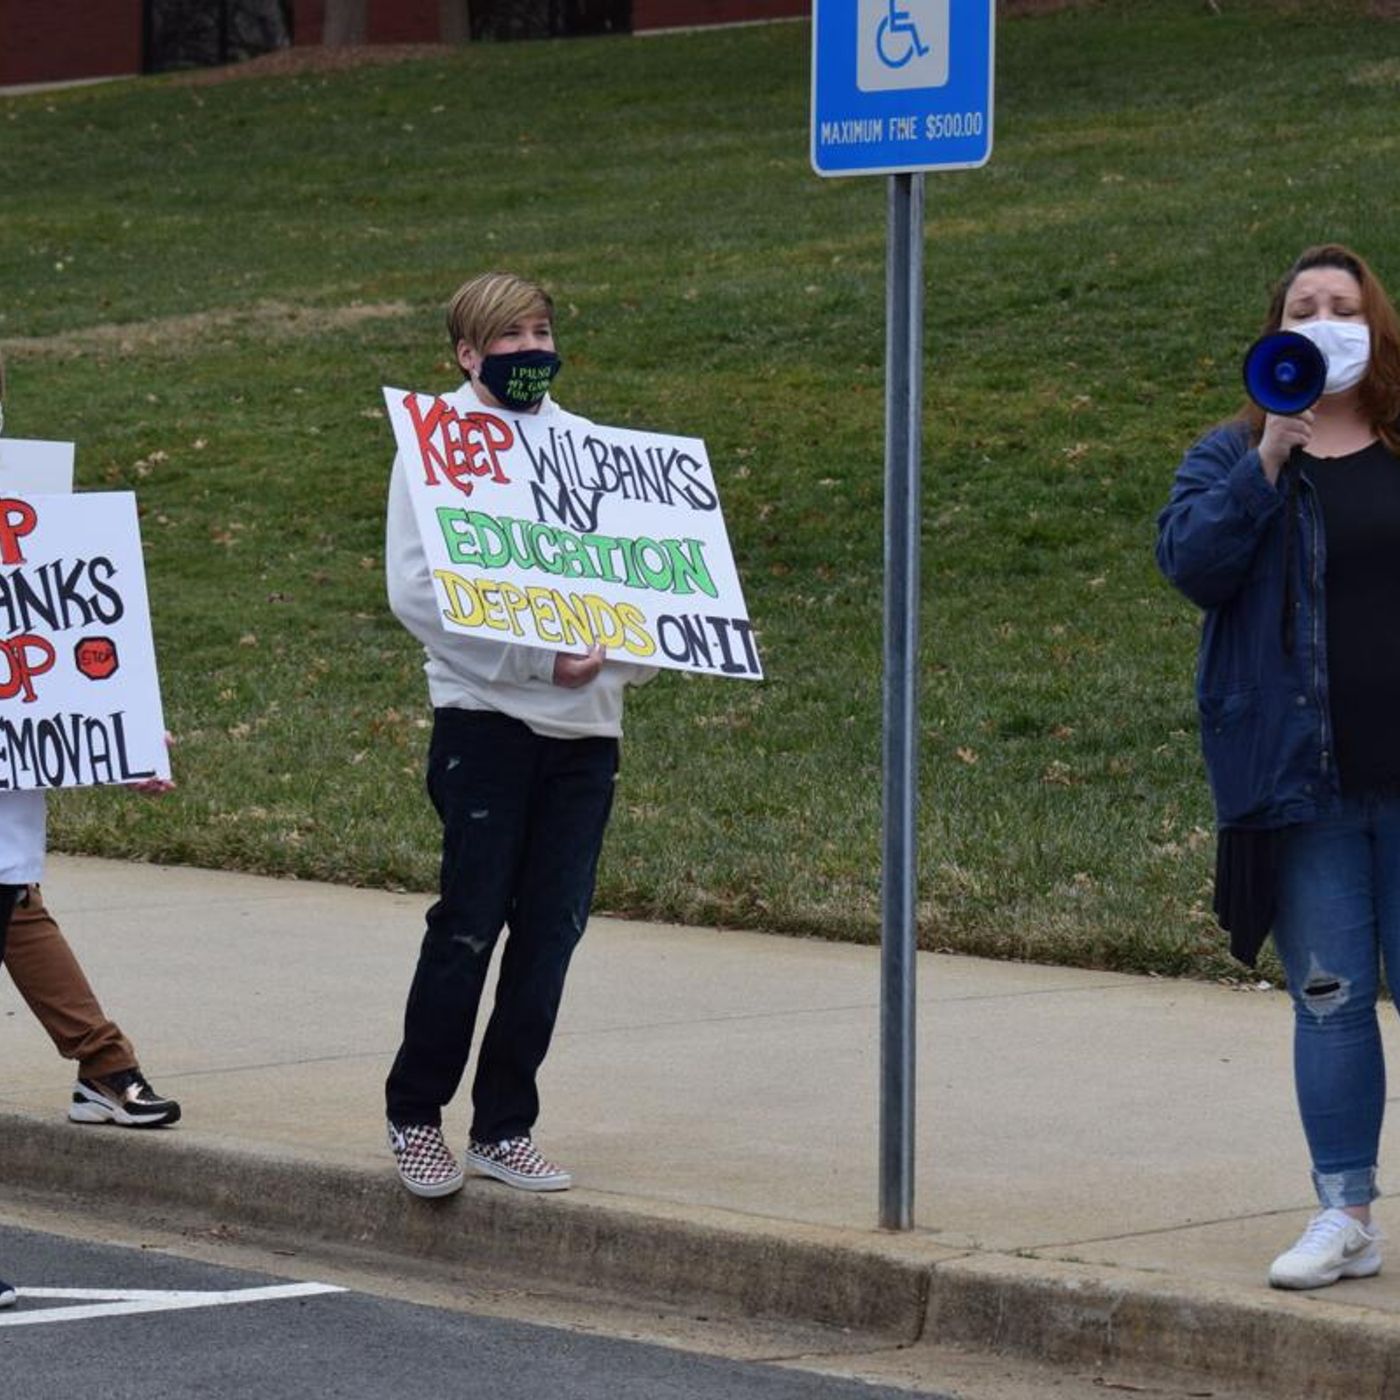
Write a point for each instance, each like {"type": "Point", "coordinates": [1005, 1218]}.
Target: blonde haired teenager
{"type": "Point", "coordinates": [521, 768]}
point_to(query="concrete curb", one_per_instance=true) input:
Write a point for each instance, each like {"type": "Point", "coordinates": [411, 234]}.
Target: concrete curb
{"type": "Point", "coordinates": [1281, 1343]}
{"type": "Point", "coordinates": [900, 1288]}
{"type": "Point", "coordinates": [651, 1251]}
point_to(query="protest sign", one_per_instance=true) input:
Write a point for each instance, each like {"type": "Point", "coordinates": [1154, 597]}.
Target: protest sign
{"type": "Point", "coordinates": [79, 698]}
{"type": "Point", "coordinates": [561, 533]}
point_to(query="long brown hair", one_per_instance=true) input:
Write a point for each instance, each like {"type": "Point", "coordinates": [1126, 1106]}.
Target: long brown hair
{"type": "Point", "coordinates": [1379, 391]}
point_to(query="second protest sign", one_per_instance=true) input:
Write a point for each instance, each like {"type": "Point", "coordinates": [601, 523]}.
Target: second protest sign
{"type": "Point", "coordinates": [79, 696]}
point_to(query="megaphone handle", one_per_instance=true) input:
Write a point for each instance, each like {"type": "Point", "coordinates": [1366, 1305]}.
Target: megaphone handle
{"type": "Point", "coordinates": [1288, 480]}
{"type": "Point", "coordinates": [1293, 458]}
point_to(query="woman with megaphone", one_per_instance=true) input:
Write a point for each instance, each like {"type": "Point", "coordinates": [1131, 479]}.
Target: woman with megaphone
{"type": "Point", "coordinates": [1284, 526]}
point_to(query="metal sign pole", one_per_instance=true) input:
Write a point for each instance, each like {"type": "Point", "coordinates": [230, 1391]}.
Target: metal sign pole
{"type": "Point", "coordinates": [904, 347]}
{"type": "Point", "coordinates": [900, 87]}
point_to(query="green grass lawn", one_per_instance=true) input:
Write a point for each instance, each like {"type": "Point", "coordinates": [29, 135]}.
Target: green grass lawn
{"type": "Point", "coordinates": [275, 249]}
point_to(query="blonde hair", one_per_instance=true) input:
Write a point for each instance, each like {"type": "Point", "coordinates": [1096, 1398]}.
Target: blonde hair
{"type": "Point", "coordinates": [480, 310]}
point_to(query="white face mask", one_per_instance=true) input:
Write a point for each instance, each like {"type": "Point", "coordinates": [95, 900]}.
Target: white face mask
{"type": "Point", "coordinates": [1345, 345]}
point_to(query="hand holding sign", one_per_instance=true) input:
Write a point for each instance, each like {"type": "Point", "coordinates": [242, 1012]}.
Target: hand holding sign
{"type": "Point", "coordinates": [574, 671]}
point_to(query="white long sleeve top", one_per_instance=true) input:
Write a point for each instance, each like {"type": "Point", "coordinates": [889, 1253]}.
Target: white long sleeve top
{"type": "Point", "coordinates": [23, 823]}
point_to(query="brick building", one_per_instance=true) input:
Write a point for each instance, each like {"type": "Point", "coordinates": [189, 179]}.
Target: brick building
{"type": "Point", "coordinates": [41, 41]}
{"type": "Point", "coordinates": [93, 38]}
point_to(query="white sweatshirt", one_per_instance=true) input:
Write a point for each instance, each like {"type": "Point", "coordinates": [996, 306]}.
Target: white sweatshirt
{"type": "Point", "coordinates": [23, 818]}
{"type": "Point", "coordinates": [475, 673]}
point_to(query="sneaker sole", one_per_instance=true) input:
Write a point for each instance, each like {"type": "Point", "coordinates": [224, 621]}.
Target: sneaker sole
{"type": "Point", "coordinates": [430, 1192]}
{"type": "Point", "coordinates": [95, 1113]}
{"type": "Point", "coordinates": [1366, 1267]}
{"type": "Point", "coordinates": [483, 1166]}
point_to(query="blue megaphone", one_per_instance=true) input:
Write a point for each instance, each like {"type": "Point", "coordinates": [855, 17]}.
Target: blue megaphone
{"type": "Point", "coordinates": [1284, 372]}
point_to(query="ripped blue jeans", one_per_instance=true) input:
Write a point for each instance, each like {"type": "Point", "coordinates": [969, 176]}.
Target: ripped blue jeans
{"type": "Point", "coordinates": [1338, 916]}
{"type": "Point", "coordinates": [523, 817]}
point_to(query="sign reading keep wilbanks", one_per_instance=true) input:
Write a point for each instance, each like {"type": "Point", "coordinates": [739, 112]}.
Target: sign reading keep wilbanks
{"type": "Point", "coordinates": [79, 699]}
{"type": "Point", "coordinates": [560, 533]}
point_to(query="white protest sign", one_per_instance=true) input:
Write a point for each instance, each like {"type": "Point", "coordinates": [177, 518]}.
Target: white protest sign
{"type": "Point", "coordinates": [556, 532]}
{"type": "Point", "coordinates": [79, 698]}
{"type": "Point", "coordinates": [33, 466]}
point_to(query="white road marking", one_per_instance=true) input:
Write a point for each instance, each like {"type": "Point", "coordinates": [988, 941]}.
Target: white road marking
{"type": "Point", "coordinates": [122, 1302]}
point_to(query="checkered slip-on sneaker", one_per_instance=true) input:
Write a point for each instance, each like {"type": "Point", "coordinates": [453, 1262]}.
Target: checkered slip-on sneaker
{"type": "Point", "coordinates": [425, 1162]}
{"type": "Point", "coordinates": [7, 1295]}
{"type": "Point", "coordinates": [517, 1162]}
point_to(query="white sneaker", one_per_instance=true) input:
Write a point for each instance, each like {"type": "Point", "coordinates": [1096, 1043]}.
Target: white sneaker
{"type": "Point", "coordinates": [1335, 1245]}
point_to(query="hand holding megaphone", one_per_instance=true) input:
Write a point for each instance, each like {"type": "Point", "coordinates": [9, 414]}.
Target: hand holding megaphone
{"type": "Point", "coordinates": [1283, 435]}
{"type": "Point", "coordinates": [1285, 374]}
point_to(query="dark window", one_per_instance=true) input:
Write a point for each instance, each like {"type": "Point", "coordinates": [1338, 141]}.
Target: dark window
{"type": "Point", "coordinates": [546, 19]}
{"type": "Point", "coordinates": [198, 33]}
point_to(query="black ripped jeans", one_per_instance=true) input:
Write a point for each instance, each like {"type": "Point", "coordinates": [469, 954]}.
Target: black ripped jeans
{"type": "Point", "coordinates": [523, 818]}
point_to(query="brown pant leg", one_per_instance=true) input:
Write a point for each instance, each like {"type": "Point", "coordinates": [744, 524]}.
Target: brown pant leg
{"type": "Point", "coordinates": [48, 976]}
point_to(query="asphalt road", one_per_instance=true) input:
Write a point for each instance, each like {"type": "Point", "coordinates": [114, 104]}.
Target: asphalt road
{"type": "Point", "coordinates": [153, 1326]}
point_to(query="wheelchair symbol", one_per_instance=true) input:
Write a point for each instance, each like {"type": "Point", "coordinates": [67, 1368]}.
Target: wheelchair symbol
{"type": "Point", "coordinates": [902, 44]}
{"type": "Point", "coordinates": [897, 39]}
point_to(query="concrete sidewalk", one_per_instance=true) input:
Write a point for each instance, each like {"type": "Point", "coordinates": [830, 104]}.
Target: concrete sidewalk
{"type": "Point", "coordinates": [1106, 1164]}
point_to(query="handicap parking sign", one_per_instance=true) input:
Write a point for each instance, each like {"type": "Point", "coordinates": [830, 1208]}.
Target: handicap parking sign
{"type": "Point", "coordinates": [901, 85]}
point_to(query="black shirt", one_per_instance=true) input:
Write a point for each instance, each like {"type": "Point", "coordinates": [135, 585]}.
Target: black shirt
{"type": "Point", "coordinates": [1360, 499]}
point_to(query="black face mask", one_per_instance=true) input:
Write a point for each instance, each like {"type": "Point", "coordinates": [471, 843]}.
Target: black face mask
{"type": "Point", "coordinates": [521, 379]}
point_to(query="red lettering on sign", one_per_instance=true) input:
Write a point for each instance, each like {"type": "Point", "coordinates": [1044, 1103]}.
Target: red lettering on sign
{"type": "Point", "coordinates": [23, 656]}
{"type": "Point", "coordinates": [459, 446]}
{"type": "Point", "coordinates": [17, 519]}
{"type": "Point", "coordinates": [486, 438]}
{"type": "Point", "coordinates": [423, 430]}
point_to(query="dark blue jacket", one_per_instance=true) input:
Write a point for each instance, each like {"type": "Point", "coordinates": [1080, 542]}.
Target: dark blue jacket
{"type": "Point", "coordinates": [1255, 562]}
